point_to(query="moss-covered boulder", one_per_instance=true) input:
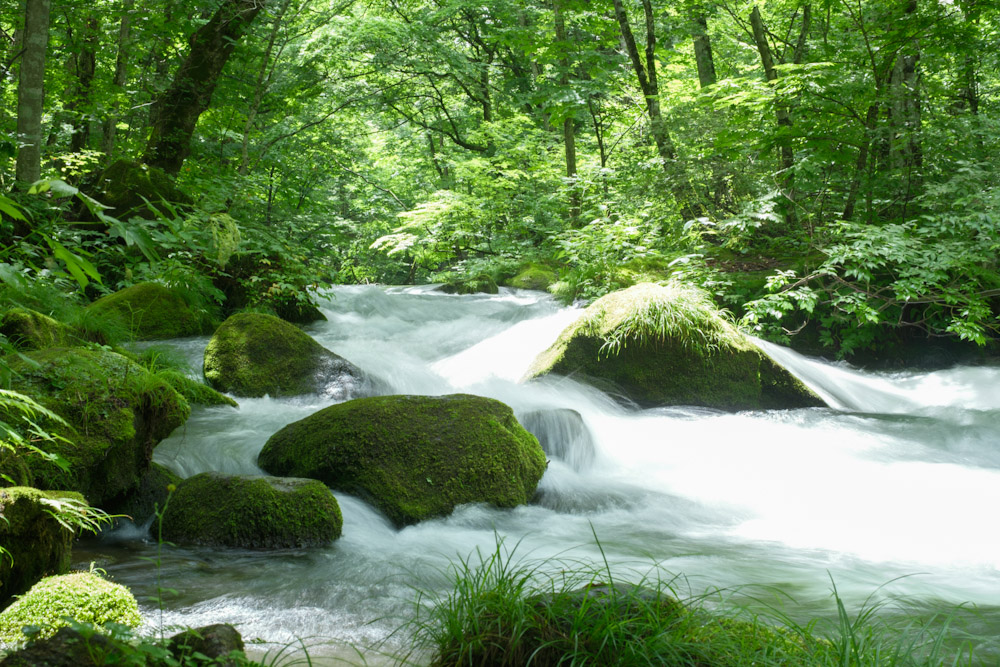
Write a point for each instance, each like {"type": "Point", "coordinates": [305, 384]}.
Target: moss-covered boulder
{"type": "Point", "coordinates": [534, 277]}
{"type": "Point", "coordinates": [83, 596]}
{"type": "Point", "coordinates": [253, 354]}
{"type": "Point", "coordinates": [116, 413]}
{"type": "Point", "coordinates": [252, 512]}
{"type": "Point", "coordinates": [31, 330]}
{"type": "Point", "coordinates": [669, 345]}
{"type": "Point", "coordinates": [126, 186]}
{"type": "Point", "coordinates": [414, 457]}
{"type": "Point", "coordinates": [478, 284]}
{"type": "Point", "coordinates": [37, 544]}
{"type": "Point", "coordinates": [196, 393]}
{"type": "Point", "coordinates": [151, 311]}
{"type": "Point", "coordinates": [14, 471]}
{"type": "Point", "coordinates": [151, 494]}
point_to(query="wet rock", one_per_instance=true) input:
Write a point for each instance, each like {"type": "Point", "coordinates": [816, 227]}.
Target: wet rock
{"type": "Point", "coordinates": [252, 512]}
{"type": "Point", "coordinates": [414, 457]}
{"type": "Point", "coordinates": [220, 643]}
{"type": "Point", "coordinates": [563, 435]}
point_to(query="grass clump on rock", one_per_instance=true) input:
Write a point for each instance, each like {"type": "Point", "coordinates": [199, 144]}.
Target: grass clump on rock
{"type": "Point", "coordinates": [82, 596]}
{"type": "Point", "coordinates": [414, 457]}
{"type": "Point", "coordinates": [670, 345]}
{"type": "Point", "coordinates": [253, 354]}
{"type": "Point", "coordinates": [252, 512]}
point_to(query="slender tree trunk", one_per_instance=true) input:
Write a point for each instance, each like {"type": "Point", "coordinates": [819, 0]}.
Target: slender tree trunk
{"type": "Point", "coordinates": [859, 168]}
{"type": "Point", "coordinates": [569, 134]}
{"type": "Point", "coordinates": [970, 63]}
{"type": "Point", "coordinates": [703, 51]}
{"type": "Point", "coordinates": [109, 129]}
{"type": "Point", "coordinates": [86, 66]}
{"type": "Point", "coordinates": [176, 112]}
{"type": "Point", "coordinates": [261, 87]}
{"type": "Point", "coordinates": [906, 148]}
{"type": "Point", "coordinates": [31, 91]}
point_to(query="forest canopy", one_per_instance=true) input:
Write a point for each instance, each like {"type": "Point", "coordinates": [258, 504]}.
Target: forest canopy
{"type": "Point", "coordinates": [825, 169]}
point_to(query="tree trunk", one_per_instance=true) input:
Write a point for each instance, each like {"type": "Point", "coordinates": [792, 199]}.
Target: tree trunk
{"type": "Point", "coordinates": [703, 51]}
{"type": "Point", "coordinates": [110, 128]}
{"type": "Point", "coordinates": [86, 66]}
{"type": "Point", "coordinates": [176, 112]}
{"type": "Point", "coordinates": [906, 148]}
{"type": "Point", "coordinates": [569, 133]}
{"type": "Point", "coordinates": [31, 91]}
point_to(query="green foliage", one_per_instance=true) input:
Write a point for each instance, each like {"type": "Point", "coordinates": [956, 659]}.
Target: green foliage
{"type": "Point", "coordinates": [507, 610]}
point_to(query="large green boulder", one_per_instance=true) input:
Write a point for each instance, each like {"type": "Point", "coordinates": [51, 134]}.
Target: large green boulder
{"type": "Point", "coordinates": [253, 354]}
{"type": "Point", "coordinates": [669, 345]}
{"type": "Point", "coordinates": [533, 277]}
{"type": "Point", "coordinates": [414, 457]}
{"type": "Point", "coordinates": [151, 311]}
{"type": "Point", "coordinates": [82, 596]}
{"type": "Point", "coordinates": [14, 471]}
{"type": "Point", "coordinates": [36, 543]}
{"type": "Point", "coordinates": [116, 412]}
{"type": "Point", "coordinates": [31, 330]}
{"type": "Point", "coordinates": [252, 511]}
{"type": "Point", "coordinates": [478, 284]}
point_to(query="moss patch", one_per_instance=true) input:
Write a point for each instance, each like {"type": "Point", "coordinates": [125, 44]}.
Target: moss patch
{"type": "Point", "coordinates": [82, 596]}
{"type": "Point", "coordinates": [142, 502]}
{"type": "Point", "coordinates": [195, 392]}
{"type": "Point", "coordinates": [668, 345]}
{"type": "Point", "coordinates": [252, 512]}
{"type": "Point", "coordinates": [126, 185]}
{"type": "Point", "coordinates": [14, 471]}
{"type": "Point", "coordinates": [31, 330]}
{"type": "Point", "coordinates": [480, 284]}
{"type": "Point", "coordinates": [252, 354]}
{"type": "Point", "coordinates": [151, 311]}
{"type": "Point", "coordinates": [37, 544]}
{"type": "Point", "coordinates": [117, 412]}
{"type": "Point", "coordinates": [414, 457]}
{"type": "Point", "coordinates": [534, 277]}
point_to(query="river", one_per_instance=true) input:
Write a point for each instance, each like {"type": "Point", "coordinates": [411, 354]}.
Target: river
{"type": "Point", "coordinates": [888, 495]}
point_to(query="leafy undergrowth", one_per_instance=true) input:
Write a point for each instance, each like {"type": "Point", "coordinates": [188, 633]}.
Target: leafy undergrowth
{"type": "Point", "coordinates": [504, 611]}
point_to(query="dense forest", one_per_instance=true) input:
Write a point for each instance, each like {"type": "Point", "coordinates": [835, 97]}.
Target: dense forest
{"type": "Point", "coordinates": [825, 170]}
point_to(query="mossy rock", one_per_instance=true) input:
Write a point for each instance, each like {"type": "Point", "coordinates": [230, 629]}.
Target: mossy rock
{"type": "Point", "coordinates": [151, 311]}
{"type": "Point", "coordinates": [83, 596]}
{"type": "Point", "coordinates": [151, 494]}
{"type": "Point", "coordinates": [252, 512]}
{"type": "Point", "coordinates": [480, 284]}
{"type": "Point", "coordinates": [196, 393]}
{"type": "Point", "coordinates": [414, 457]}
{"type": "Point", "coordinates": [221, 643]}
{"type": "Point", "coordinates": [668, 345]}
{"type": "Point", "coordinates": [30, 330]}
{"type": "Point", "coordinates": [14, 471]}
{"type": "Point", "coordinates": [533, 277]}
{"type": "Point", "coordinates": [253, 354]}
{"type": "Point", "coordinates": [37, 544]}
{"type": "Point", "coordinates": [116, 412]}
{"type": "Point", "coordinates": [126, 186]}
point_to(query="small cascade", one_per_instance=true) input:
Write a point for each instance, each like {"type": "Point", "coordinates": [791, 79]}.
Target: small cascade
{"type": "Point", "coordinates": [901, 393]}
{"type": "Point", "coordinates": [563, 434]}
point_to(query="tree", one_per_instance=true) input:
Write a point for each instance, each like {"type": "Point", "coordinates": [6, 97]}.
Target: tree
{"type": "Point", "coordinates": [31, 91]}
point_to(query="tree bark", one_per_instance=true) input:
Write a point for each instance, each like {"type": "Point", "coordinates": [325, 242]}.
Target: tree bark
{"type": "Point", "coordinates": [176, 111]}
{"type": "Point", "coordinates": [109, 130]}
{"type": "Point", "coordinates": [569, 133]}
{"type": "Point", "coordinates": [31, 91]}
{"type": "Point", "coordinates": [703, 51]}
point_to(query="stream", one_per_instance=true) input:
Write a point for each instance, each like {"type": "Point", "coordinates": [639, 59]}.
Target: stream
{"type": "Point", "coordinates": [887, 495]}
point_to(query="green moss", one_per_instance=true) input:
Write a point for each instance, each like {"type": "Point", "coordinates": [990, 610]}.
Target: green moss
{"type": "Point", "coordinates": [479, 284]}
{"type": "Point", "coordinates": [117, 412]}
{"type": "Point", "coordinates": [151, 311]}
{"type": "Point", "coordinates": [195, 392]}
{"type": "Point", "coordinates": [82, 596]}
{"type": "Point", "coordinates": [14, 471]}
{"type": "Point", "coordinates": [36, 542]}
{"type": "Point", "coordinates": [252, 354]}
{"type": "Point", "coordinates": [127, 185]}
{"type": "Point", "coordinates": [534, 277]}
{"type": "Point", "coordinates": [414, 457]}
{"type": "Point", "coordinates": [669, 345]}
{"type": "Point", "coordinates": [252, 512]}
{"type": "Point", "coordinates": [31, 330]}
{"type": "Point", "coordinates": [151, 493]}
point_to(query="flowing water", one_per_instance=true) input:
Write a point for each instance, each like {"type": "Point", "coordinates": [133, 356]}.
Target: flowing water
{"type": "Point", "coordinates": [889, 493]}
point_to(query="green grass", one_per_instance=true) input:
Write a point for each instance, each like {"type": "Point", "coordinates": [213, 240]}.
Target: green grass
{"type": "Point", "coordinates": [503, 610]}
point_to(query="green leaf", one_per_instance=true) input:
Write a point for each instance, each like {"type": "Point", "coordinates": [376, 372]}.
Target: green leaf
{"type": "Point", "coordinates": [80, 268]}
